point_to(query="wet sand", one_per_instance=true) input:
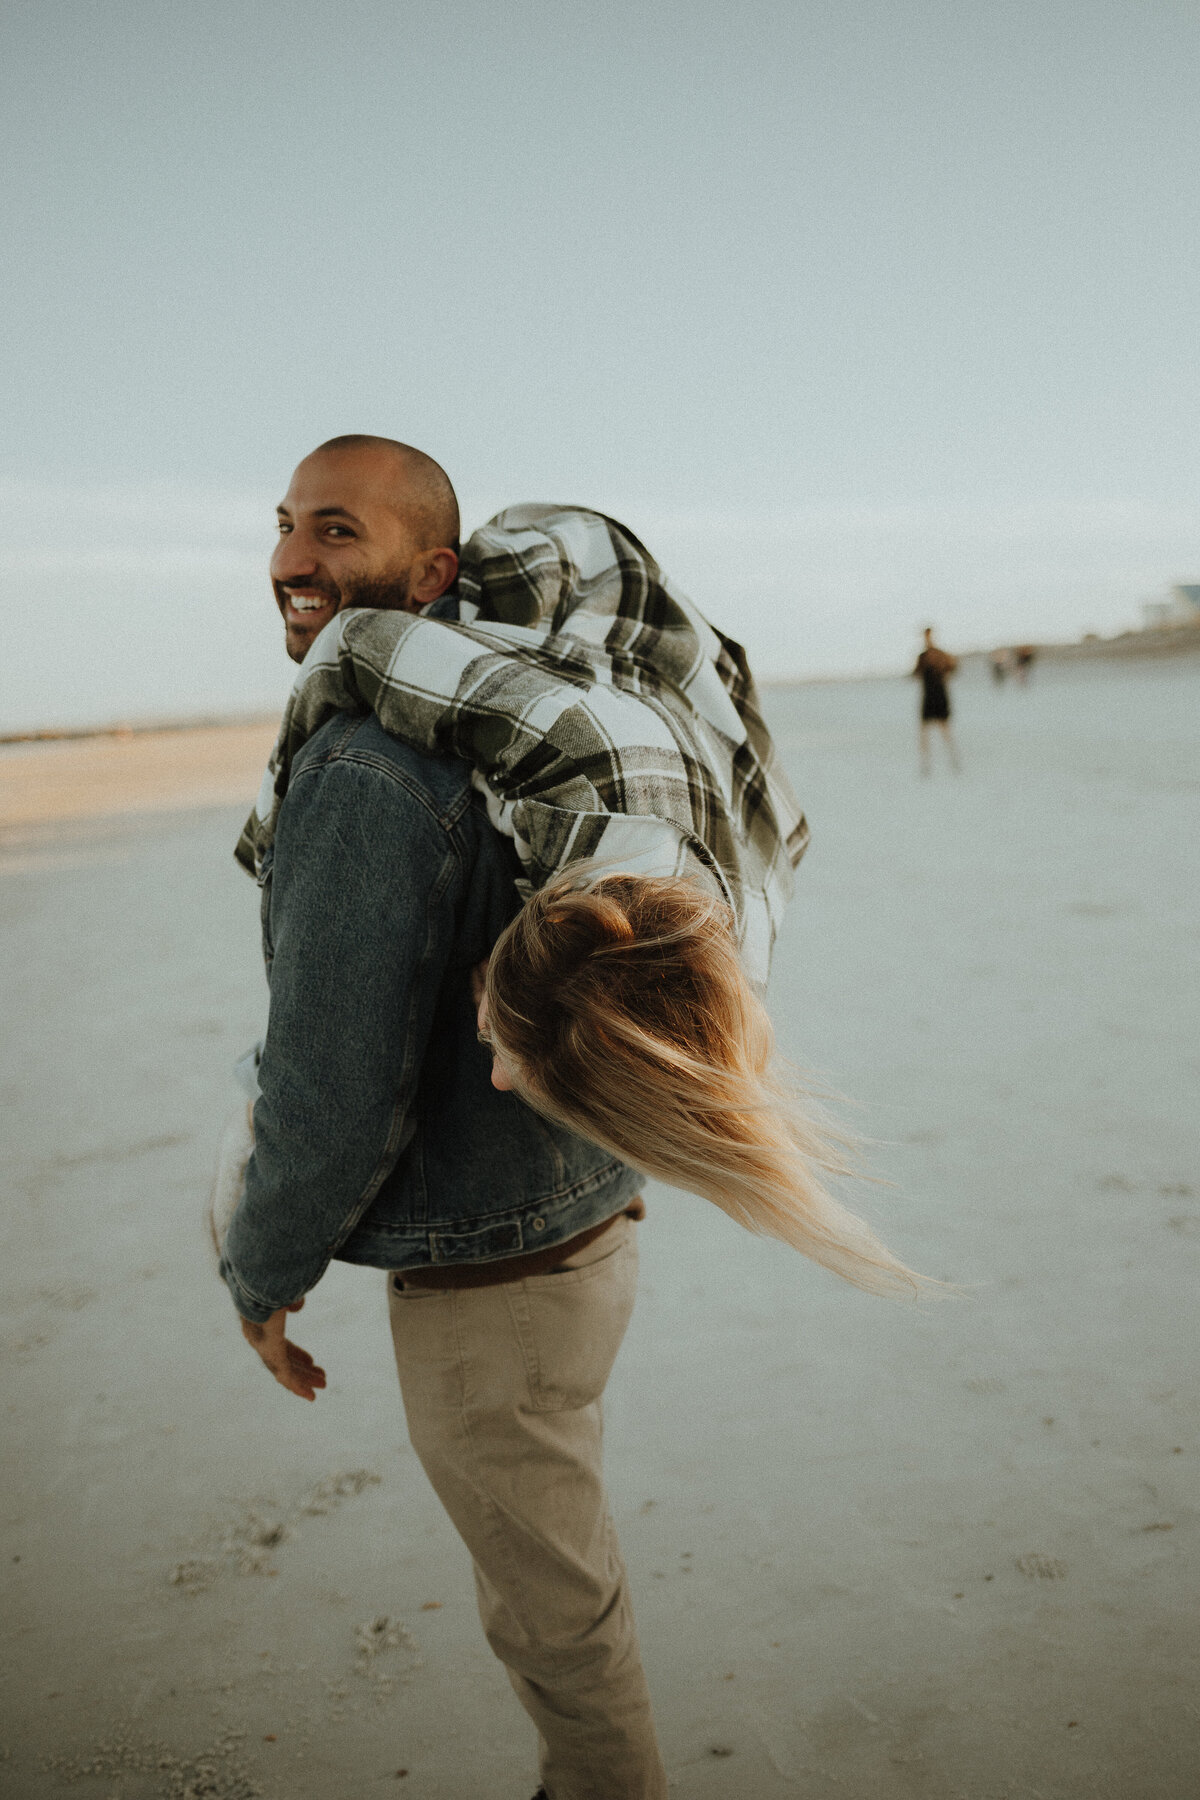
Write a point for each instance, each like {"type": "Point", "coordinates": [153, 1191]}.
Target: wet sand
{"type": "Point", "coordinates": [875, 1551]}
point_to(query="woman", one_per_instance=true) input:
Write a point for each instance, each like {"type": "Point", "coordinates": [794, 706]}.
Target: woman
{"type": "Point", "coordinates": [620, 1008]}
{"type": "Point", "coordinates": [618, 741]}
{"type": "Point", "coordinates": [604, 717]}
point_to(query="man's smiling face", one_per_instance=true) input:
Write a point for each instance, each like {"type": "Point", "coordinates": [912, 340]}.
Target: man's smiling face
{"type": "Point", "coordinates": [343, 542]}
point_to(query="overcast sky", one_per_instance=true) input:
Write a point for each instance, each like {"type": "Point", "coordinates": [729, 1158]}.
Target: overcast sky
{"type": "Point", "coordinates": [861, 314]}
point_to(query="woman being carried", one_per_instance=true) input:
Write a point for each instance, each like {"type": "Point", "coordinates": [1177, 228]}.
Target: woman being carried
{"type": "Point", "coordinates": [617, 739]}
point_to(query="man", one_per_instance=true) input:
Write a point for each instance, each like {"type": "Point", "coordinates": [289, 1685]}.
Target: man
{"type": "Point", "coordinates": [380, 1139]}
{"type": "Point", "coordinates": [932, 667]}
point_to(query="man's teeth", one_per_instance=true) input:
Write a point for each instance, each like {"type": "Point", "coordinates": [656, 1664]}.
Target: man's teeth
{"type": "Point", "coordinates": [306, 602]}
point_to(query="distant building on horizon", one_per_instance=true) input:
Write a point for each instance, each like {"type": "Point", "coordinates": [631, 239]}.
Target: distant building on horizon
{"type": "Point", "coordinates": [1181, 607]}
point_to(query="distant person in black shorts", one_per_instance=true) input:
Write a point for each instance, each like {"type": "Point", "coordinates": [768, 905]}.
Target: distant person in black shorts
{"type": "Point", "coordinates": [932, 666]}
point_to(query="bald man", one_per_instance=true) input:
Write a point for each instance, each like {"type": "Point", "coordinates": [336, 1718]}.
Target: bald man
{"type": "Point", "coordinates": [380, 1140]}
{"type": "Point", "coordinates": [366, 521]}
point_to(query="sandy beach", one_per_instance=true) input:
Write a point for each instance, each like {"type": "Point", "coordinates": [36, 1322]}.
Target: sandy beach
{"type": "Point", "coordinates": [878, 1553]}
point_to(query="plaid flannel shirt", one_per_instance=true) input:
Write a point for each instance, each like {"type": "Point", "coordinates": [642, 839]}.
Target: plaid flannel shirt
{"type": "Point", "coordinates": [605, 719]}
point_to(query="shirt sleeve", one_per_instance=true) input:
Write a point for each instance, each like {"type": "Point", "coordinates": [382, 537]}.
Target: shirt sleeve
{"type": "Point", "coordinates": [360, 927]}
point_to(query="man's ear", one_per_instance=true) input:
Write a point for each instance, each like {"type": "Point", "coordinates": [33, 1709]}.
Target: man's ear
{"type": "Point", "coordinates": [431, 574]}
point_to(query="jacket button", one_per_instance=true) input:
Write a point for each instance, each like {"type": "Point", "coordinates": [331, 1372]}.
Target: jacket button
{"type": "Point", "coordinates": [539, 1224]}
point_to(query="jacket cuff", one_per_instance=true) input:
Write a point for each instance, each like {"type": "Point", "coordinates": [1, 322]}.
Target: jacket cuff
{"type": "Point", "coordinates": [248, 1304]}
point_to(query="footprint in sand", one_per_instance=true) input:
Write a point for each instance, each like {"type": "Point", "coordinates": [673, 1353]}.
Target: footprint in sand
{"type": "Point", "coordinates": [72, 1296]}
{"type": "Point", "coordinates": [21, 1349]}
{"type": "Point", "coordinates": [373, 1639]}
{"type": "Point", "coordinates": [246, 1544]}
{"type": "Point", "coordinates": [1041, 1568]}
{"type": "Point", "coordinates": [219, 1773]}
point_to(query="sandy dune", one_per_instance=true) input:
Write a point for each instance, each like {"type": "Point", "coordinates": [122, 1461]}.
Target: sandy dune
{"type": "Point", "coordinates": [877, 1553]}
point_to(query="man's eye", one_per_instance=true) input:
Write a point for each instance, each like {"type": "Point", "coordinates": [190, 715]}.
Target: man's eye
{"type": "Point", "coordinates": [337, 531]}
{"type": "Point", "coordinates": [284, 527]}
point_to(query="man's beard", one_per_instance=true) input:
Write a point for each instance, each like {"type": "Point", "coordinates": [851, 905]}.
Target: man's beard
{"type": "Point", "coordinates": [388, 591]}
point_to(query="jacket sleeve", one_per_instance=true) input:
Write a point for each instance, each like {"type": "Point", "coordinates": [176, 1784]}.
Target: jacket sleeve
{"type": "Point", "coordinates": [360, 927]}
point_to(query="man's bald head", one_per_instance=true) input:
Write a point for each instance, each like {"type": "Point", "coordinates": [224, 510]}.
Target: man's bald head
{"type": "Point", "coordinates": [424, 497]}
{"type": "Point", "coordinates": [366, 522]}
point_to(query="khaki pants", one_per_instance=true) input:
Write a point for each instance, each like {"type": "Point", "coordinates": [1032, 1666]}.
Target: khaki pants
{"type": "Point", "coordinates": [502, 1391]}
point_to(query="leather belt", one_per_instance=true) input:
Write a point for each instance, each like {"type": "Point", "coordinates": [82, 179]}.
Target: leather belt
{"type": "Point", "coordinates": [510, 1268]}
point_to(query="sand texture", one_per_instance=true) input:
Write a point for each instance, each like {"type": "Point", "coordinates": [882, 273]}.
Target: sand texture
{"type": "Point", "coordinates": [152, 771]}
{"type": "Point", "coordinates": [878, 1553]}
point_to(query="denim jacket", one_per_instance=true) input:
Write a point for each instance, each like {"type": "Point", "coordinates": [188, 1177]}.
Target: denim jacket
{"type": "Point", "coordinates": [379, 1138]}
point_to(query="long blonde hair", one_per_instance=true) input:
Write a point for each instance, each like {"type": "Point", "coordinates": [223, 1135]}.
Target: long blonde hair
{"type": "Point", "coordinates": [621, 1010]}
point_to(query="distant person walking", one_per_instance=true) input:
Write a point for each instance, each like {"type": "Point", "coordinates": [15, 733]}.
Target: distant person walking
{"type": "Point", "coordinates": [1023, 659]}
{"type": "Point", "coordinates": [932, 667]}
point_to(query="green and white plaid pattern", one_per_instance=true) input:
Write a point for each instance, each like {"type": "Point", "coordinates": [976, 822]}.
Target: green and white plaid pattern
{"type": "Point", "coordinates": [605, 719]}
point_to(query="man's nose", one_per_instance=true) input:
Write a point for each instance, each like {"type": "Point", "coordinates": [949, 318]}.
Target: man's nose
{"type": "Point", "coordinates": [294, 559]}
